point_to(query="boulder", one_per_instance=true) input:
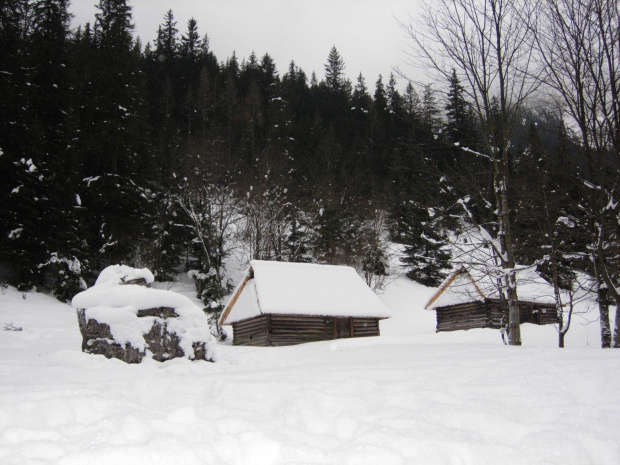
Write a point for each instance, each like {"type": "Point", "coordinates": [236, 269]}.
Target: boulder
{"type": "Point", "coordinates": [119, 318]}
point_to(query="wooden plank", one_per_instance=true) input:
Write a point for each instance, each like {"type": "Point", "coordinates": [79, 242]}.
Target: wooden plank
{"type": "Point", "coordinates": [233, 301]}
{"type": "Point", "coordinates": [448, 282]}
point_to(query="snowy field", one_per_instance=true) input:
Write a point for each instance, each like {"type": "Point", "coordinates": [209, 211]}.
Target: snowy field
{"type": "Point", "coordinates": [408, 397]}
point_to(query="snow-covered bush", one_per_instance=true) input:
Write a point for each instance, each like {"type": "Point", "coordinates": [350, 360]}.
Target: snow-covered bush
{"type": "Point", "coordinates": [64, 276]}
{"type": "Point", "coordinates": [210, 289]}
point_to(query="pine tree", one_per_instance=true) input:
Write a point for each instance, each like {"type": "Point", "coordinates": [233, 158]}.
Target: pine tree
{"type": "Point", "coordinates": [430, 111]}
{"type": "Point", "coordinates": [397, 119]}
{"type": "Point", "coordinates": [460, 129]}
{"type": "Point", "coordinates": [189, 62]}
{"type": "Point", "coordinates": [380, 113]}
{"type": "Point", "coordinates": [420, 217]}
{"type": "Point", "coordinates": [419, 210]}
{"type": "Point", "coordinates": [13, 119]}
{"type": "Point", "coordinates": [43, 229]}
{"type": "Point", "coordinates": [190, 54]}
{"type": "Point", "coordinates": [166, 43]}
{"type": "Point", "coordinates": [334, 71]}
{"type": "Point", "coordinates": [191, 43]}
{"type": "Point", "coordinates": [361, 126]}
{"type": "Point", "coordinates": [381, 102]}
{"type": "Point", "coordinates": [64, 260]}
{"type": "Point", "coordinates": [361, 99]}
{"type": "Point", "coordinates": [115, 159]}
{"type": "Point", "coordinates": [395, 100]}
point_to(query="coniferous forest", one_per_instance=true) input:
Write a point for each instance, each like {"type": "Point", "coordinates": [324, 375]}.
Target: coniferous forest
{"type": "Point", "coordinates": [165, 156]}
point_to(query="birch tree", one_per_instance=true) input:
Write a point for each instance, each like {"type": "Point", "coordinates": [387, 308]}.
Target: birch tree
{"type": "Point", "coordinates": [488, 44]}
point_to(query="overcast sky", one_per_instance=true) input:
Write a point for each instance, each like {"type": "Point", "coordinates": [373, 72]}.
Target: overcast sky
{"type": "Point", "coordinates": [365, 32]}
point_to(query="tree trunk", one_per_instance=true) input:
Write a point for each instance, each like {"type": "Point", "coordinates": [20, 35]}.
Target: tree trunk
{"type": "Point", "coordinates": [506, 244]}
{"type": "Point", "coordinates": [564, 318]}
{"type": "Point", "coordinates": [604, 316]}
{"type": "Point", "coordinates": [514, 317]}
{"type": "Point", "coordinates": [616, 343]}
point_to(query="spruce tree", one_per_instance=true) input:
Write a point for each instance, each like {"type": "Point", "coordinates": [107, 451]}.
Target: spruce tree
{"type": "Point", "coordinates": [166, 43]}
{"type": "Point", "coordinates": [116, 159]}
{"type": "Point", "coordinates": [461, 131]}
{"type": "Point", "coordinates": [334, 71]}
{"type": "Point", "coordinates": [64, 259]}
{"type": "Point", "coordinates": [13, 127]}
{"type": "Point", "coordinates": [419, 212]}
{"type": "Point", "coordinates": [419, 216]}
{"type": "Point", "coordinates": [379, 128]}
{"type": "Point", "coordinates": [361, 126]}
{"type": "Point", "coordinates": [40, 209]}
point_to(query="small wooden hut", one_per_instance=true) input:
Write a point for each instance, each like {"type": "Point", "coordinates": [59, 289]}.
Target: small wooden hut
{"type": "Point", "coordinates": [463, 302]}
{"type": "Point", "coordinates": [279, 303]}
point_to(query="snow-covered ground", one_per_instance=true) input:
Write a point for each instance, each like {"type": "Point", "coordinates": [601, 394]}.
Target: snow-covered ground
{"type": "Point", "coordinates": [408, 397]}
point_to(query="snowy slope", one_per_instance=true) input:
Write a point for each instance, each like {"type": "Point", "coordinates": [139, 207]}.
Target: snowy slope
{"type": "Point", "coordinates": [410, 396]}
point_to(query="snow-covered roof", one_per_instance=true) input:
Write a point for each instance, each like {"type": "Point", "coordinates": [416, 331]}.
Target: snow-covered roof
{"type": "Point", "coordinates": [469, 285]}
{"type": "Point", "coordinates": [302, 289]}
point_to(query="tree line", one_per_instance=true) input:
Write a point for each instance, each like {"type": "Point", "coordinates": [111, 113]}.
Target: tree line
{"type": "Point", "coordinates": [161, 154]}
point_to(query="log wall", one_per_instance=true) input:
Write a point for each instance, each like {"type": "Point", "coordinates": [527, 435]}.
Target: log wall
{"type": "Point", "coordinates": [489, 314]}
{"type": "Point", "coordinates": [284, 330]}
{"type": "Point", "coordinates": [364, 327]}
{"type": "Point", "coordinates": [538, 314]}
{"type": "Point", "coordinates": [294, 329]}
{"type": "Point", "coordinates": [253, 332]}
{"type": "Point", "coordinates": [463, 316]}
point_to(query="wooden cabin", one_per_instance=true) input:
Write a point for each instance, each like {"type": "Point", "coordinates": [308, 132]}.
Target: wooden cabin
{"type": "Point", "coordinates": [280, 303]}
{"type": "Point", "coordinates": [463, 302]}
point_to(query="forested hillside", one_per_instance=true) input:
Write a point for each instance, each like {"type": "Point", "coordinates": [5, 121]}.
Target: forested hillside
{"type": "Point", "coordinates": [158, 154]}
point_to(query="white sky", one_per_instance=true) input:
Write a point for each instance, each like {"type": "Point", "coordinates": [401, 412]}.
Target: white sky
{"type": "Point", "coordinates": [365, 32]}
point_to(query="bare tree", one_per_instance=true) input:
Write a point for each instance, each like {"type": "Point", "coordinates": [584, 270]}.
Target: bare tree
{"type": "Point", "coordinates": [267, 222]}
{"type": "Point", "coordinates": [489, 45]}
{"type": "Point", "coordinates": [213, 214]}
{"type": "Point", "coordinates": [578, 45]}
{"type": "Point", "coordinates": [374, 249]}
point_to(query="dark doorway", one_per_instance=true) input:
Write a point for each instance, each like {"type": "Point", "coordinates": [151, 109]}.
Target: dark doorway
{"type": "Point", "coordinates": [343, 328]}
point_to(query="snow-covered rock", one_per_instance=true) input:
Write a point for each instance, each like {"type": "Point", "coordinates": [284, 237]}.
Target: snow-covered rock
{"type": "Point", "coordinates": [123, 274]}
{"type": "Point", "coordinates": [132, 321]}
